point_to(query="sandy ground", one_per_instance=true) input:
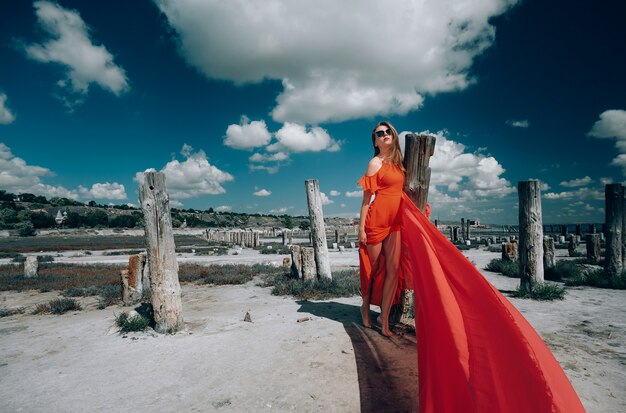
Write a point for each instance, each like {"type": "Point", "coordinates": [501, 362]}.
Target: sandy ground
{"type": "Point", "coordinates": [74, 362]}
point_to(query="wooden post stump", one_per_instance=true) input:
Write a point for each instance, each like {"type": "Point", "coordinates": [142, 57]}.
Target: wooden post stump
{"type": "Point", "coordinates": [318, 231]}
{"type": "Point", "coordinates": [593, 248]}
{"type": "Point", "coordinates": [309, 270]}
{"type": "Point", "coordinates": [31, 265]}
{"type": "Point", "coordinates": [548, 252]}
{"type": "Point", "coordinates": [296, 261]}
{"type": "Point", "coordinates": [510, 251]}
{"type": "Point", "coordinates": [417, 153]}
{"type": "Point", "coordinates": [132, 279]}
{"type": "Point", "coordinates": [463, 229]}
{"type": "Point", "coordinates": [531, 233]}
{"type": "Point", "coordinates": [160, 247]}
{"type": "Point", "coordinates": [572, 245]}
{"type": "Point", "coordinates": [614, 210]}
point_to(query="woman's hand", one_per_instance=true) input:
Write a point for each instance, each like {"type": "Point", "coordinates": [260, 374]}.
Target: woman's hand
{"type": "Point", "coordinates": [362, 236]}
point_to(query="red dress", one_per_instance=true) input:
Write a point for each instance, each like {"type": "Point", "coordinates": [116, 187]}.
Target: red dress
{"type": "Point", "coordinates": [383, 216]}
{"type": "Point", "coordinates": [476, 352]}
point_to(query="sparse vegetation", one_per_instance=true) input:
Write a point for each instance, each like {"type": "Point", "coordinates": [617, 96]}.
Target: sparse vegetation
{"type": "Point", "coordinates": [541, 291]}
{"type": "Point", "coordinates": [6, 312]}
{"type": "Point", "coordinates": [494, 248]}
{"type": "Point", "coordinates": [508, 268]}
{"type": "Point", "coordinates": [598, 278]}
{"type": "Point", "coordinates": [275, 248]}
{"type": "Point", "coordinates": [58, 306]}
{"type": "Point", "coordinates": [343, 284]}
{"type": "Point", "coordinates": [223, 274]}
{"type": "Point", "coordinates": [563, 269]}
{"type": "Point", "coordinates": [134, 323]}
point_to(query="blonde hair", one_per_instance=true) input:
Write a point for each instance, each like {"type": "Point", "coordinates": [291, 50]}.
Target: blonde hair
{"type": "Point", "coordinates": [396, 153]}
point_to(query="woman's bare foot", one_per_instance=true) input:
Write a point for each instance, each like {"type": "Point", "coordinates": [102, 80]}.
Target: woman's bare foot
{"type": "Point", "coordinates": [365, 315]}
{"type": "Point", "coordinates": [385, 330]}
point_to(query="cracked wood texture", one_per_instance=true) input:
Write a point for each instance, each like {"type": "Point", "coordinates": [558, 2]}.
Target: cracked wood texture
{"type": "Point", "coordinates": [318, 231]}
{"type": "Point", "coordinates": [161, 256]}
{"type": "Point", "coordinates": [530, 233]}
{"type": "Point", "coordinates": [417, 152]}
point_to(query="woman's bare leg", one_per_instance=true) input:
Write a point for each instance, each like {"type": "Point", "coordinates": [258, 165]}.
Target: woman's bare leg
{"type": "Point", "coordinates": [373, 253]}
{"type": "Point", "coordinates": [391, 247]}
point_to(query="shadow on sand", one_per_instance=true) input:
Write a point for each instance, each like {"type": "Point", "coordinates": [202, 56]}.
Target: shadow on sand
{"type": "Point", "coordinates": [387, 368]}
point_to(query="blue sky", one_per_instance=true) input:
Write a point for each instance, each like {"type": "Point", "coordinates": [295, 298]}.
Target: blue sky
{"type": "Point", "coordinates": [240, 102]}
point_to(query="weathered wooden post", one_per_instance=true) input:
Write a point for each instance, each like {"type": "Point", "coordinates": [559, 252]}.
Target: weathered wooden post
{"type": "Point", "coordinates": [284, 237]}
{"type": "Point", "coordinates": [132, 279]}
{"type": "Point", "coordinates": [548, 252]}
{"type": "Point", "coordinates": [531, 234]}
{"type": "Point", "coordinates": [573, 244]}
{"type": "Point", "coordinates": [417, 152]}
{"type": "Point", "coordinates": [462, 229]}
{"type": "Point", "coordinates": [336, 236]}
{"type": "Point", "coordinates": [467, 231]}
{"type": "Point", "coordinates": [614, 212]}
{"type": "Point", "coordinates": [296, 261]}
{"type": "Point", "coordinates": [593, 248]}
{"type": "Point", "coordinates": [164, 285]}
{"type": "Point", "coordinates": [592, 228]}
{"type": "Point", "coordinates": [578, 230]}
{"type": "Point", "coordinates": [30, 267]}
{"type": "Point", "coordinates": [510, 251]}
{"type": "Point", "coordinates": [318, 231]}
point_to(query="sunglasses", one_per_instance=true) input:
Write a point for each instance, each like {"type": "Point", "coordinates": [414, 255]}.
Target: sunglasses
{"type": "Point", "coordinates": [381, 133]}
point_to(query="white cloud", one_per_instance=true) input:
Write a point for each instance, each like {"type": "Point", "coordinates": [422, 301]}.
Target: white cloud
{"type": "Point", "coordinates": [354, 194]}
{"type": "Point", "coordinates": [334, 193]}
{"type": "Point", "coordinates": [275, 157]}
{"type": "Point", "coordinates": [296, 138]}
{"type": "Point", "coordinates": [280, 210]}
{"type": "Point", "coordinates": [606, 180]}
{"type": "Point", "coordinates": [18, 177]}
{"type": "Point", "coordinates": [342, 205]}
{"type": "Point", "coordinates": [70, 46]}
{"type": "Point", "coordinates": [193, 177]}
{"type": "Point", "coordinates": [6, 116]}
{"type": "Point", "coordinates": [518, 123]}
{"type": "Point", "coordinates": [247, 134]}
{"type": "Point", "coordinates": [269, 169]}
{"type": "Point", "coordinates": [471, 175]}
{"type": "Point", "coordinates": [103, 191]}
{"type": "Point", "coordinates": [337, 60]}
{"type": "Point", "coordinates": [326, 200]}
{"type": "Point", "coordinates": [580, 193]}
{"type": "Point", "coordinates": [224, 208]}
{"type": "Point", "coordinates": [262, 192]}
{"type": "Point", "coordinates": [574, 183]}
{"type": "Point", "coordinates": [612, 124]}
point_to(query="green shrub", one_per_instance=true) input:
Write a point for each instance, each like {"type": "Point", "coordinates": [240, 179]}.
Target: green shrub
{"type": "Point", "coordinates": [58, 306]}
{"type": "Point", "coordinates": [507, 268]}
{"type": "Point", "coordinates": [128, 324]}
{"type": "Point", "coordinates": [25, 229]}
{"type": "Point", "coordinates": [541, 291]}
{"type": "Point", "coordinates": [6, 312]}
{"type": "Point", "coordinates": [598, 278]}
{"type": "Point", "coordinates": [563, 269]}
{"type": "Point", "coordinates": [109, 295]}
{"type": "Point", "coordinates": [343, 284]}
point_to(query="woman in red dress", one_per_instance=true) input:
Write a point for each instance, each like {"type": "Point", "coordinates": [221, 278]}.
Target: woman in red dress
{"type": "Point", "coordinates": [379, 226]}
{"type": "Point", "coordinates": [476, 352]}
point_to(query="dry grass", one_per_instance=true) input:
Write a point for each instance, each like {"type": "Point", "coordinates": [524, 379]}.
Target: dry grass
{"type": "Point", "coordinates": [67, 243]}
{"type": "Point", "coordinates": [54, 276]}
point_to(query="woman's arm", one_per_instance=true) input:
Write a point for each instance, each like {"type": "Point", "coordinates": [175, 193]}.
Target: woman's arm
{"type": "Point", "coordinates": [372, 168]}
{"type": "Point", "coordinates": [365, 205]}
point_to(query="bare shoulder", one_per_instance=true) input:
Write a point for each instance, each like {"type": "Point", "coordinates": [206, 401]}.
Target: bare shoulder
{"type": "Point", "coordinates": [375, 164]}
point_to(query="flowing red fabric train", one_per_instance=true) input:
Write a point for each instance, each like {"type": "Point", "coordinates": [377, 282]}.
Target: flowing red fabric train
{"type": "Point", "coordinates": [476, 352]}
